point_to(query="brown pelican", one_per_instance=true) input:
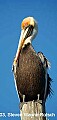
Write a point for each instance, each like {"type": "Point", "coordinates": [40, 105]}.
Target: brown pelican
{"type": "Point", "coordinates": [29, 67]}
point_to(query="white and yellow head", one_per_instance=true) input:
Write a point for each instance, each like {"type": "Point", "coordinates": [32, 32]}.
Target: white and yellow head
{"type": "Point", "coordinates": [29, 30]}
{"type": "Point", "coordinates": [28, 23]}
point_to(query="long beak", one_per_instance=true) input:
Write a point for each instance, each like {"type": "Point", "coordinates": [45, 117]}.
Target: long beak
{"type": "Point", "coordinates": [21, 43]}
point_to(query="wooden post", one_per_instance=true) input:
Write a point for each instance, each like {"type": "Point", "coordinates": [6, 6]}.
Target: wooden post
{"type": "Point", "coordinates": [32, 110]}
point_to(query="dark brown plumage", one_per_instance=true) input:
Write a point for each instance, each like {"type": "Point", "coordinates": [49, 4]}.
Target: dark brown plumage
{"type": "Point", "coordinates": [30, 75]}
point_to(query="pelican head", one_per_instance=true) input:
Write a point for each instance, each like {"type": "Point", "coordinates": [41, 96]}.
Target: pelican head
{"type": "Point", "coordinates": [29, 29]}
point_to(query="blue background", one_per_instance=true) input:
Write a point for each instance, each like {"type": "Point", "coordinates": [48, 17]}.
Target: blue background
{"type": "Point", "coordinates": [12, 12]}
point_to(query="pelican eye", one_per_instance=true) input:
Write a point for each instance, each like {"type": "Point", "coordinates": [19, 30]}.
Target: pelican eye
{"type": "Point", "coordinates": [29, 32]}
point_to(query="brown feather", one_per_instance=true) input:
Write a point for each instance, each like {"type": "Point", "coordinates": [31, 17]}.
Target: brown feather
{"type": "Point", "coordinates": [30, 75]}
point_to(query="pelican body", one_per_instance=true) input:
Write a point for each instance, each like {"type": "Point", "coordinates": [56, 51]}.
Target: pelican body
{"type": "Point", "coordinates": [29, 68]}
